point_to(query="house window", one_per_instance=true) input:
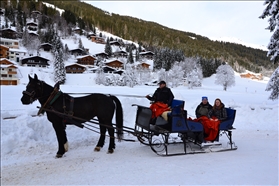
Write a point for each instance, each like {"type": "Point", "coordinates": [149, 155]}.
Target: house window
{"type": "Point", "coordinates": [10, 76]}
{"type": "Point", "coordinates": [3, 75]}
{"type": "Point", "coordinates": [10, 70]}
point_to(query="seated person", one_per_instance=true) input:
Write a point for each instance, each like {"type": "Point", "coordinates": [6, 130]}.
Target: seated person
{"type": "Point", "coordinates": [162, 99]}
{"type": "Point", "coordinates": [218, 112]}
{"type": "Point", "coordinates": [203, 108]}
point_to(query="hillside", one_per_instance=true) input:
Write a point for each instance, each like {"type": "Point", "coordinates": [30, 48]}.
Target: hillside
{"type": "Point", "coordinates": [151, 35]}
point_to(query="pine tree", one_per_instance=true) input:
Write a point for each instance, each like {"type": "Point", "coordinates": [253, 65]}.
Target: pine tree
{"type": "Point", "coordinates": [59, 67]}
{"type": "Point", "coordinates": [225, 76]}
{"type": "Point", "coordinates": [108, 48]}
{"type": "Point", "coordinates": [130, 58]}
{"type": "Point", "coordinates": [272, 11]}
{"type": "Point", "coordinates": [273, 85]}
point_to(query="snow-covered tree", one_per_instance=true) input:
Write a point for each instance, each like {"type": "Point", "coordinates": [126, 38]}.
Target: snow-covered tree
{"type": "Point", "coordinates": [273, 85]}
{"type": "Point", "coordinates": [272, 11]}
{"type": "Point", "coordinates": [130, 77]}
{"type": "Point", "coordinates": [59, 66]}
{"type": "Point", "coordinates": [225, 76]}
{"type": "Point", "coordinates": [100, 76]}
{"type": "Point", "coordinates": [175, 75]}
{"type": "Point", "coordinates": [194, 78]}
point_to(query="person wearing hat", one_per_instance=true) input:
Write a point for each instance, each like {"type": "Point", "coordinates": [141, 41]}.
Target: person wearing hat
{"type": "Point", "coordinates": [162, 99]}
{"type": "Point", "coordinates": [203, 108]}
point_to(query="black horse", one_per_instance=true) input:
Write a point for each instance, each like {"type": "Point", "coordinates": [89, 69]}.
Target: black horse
{"type": "Point", "coordinates": [100, 105]}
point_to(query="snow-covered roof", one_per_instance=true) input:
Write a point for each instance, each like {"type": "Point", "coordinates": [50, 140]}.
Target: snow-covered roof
{"type": "Point", "coordinates": [80, 57]}
{"type": "Point", "coordinates": [17, 50]}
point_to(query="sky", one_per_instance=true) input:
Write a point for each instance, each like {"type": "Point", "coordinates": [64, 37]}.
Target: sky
{"type": "Point", "coordinates": [29, 144]}
{"type": "Point", "coordinates": [230, 20]}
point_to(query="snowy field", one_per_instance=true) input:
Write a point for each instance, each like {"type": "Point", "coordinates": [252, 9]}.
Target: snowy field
{"type": "Point", "coordinates": [29, 145]}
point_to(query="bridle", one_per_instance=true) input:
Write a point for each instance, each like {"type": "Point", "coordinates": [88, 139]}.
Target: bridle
{"type": "Point", "coordinates": [33, 93]}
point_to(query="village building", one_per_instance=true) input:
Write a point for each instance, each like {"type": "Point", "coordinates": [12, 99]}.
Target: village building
{"type": "Point", "coordinates": [147, 55]}
{"type": "Point", "coordinates": [114, 64]}
{"type": "Point", "coordinates": [11, 43]}
{"type": "Point", "coordinates": [97, 39]}
{"type": "Point", "coordinates": [8, 72]}
{"type": "Point", "coordinates": [120, 53]}
{"type": "Point", "coordinates": [77, 52]}
{"type": "Point", "coordinates": [32, 26]}
{"type": "Point", "coordinates": [252, 76]}
{"type": "Point", "coordinates": [35, 61]}
{"type": "Point", "coordinates": [46, 47]}
{"type": "Point", "coordinates": [75, 68]}
{"type": "Point", "coordinates": [101, 55]}
{"type": "Point", "coordinates": [8, 33]}
{"type": "Point", "coordinates": [4, 51]}
{"type": "Point", "coordinates": [115, 43]}
{"type": "Point", "coordinates": [16, 55]}
{"type": "Point", "coordinates": [86, 60]}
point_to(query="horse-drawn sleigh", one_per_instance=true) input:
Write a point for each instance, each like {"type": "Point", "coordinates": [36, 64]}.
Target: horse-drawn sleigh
{"type": "Point", "coordinates": [62, 109]}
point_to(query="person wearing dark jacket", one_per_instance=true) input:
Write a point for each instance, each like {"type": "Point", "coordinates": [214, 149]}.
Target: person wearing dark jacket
{"type": "Point", "coordinates": [218, 111]}
{"type": "Point", "coordinates": [162, 94]}
{"type": "Point", "coordinates": [203, 108]}
{"type": "Point", "coordinates": [162, 99]}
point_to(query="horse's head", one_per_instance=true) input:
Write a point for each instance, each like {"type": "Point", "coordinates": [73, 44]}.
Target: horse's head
{"type": "Point", "coordinates": [34, 90]}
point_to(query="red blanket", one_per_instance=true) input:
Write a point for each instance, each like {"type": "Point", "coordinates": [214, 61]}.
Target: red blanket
{"type": "Point", "coordinates": [158, 108]}
{"type": "Point", "coordinates": [210, 127]}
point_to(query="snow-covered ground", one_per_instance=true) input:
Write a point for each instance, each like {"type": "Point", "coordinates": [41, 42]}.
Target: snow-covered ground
{"type": "Point", "coordinates": [29, 145]}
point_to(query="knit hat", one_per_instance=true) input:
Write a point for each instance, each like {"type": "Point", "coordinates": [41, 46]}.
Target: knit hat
{"type": "Point", "coordinates": [204, 97]}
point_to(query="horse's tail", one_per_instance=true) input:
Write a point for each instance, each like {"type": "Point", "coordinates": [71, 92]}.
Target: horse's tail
{"type": "Point", "coordinates": [119, 117]}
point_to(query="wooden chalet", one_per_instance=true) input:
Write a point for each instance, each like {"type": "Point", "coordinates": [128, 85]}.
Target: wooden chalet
{"type": "Point", "coordinates": [120, 53]}
{"type": "Point", "coordinates": [32, 26]}
{"type": "Point", "coordinates": [35, 61]}
{"type": "Point", "coordinates": [17, 54]}
{"type": "Point", "coordinates": [75, 68]}
{"type": "Point", "coordinates": [91, 34]}
{"type": "Point", "coordinates": [4, 51]}
{"type": "Point", "coordinates": [78, 52]}
{"type": "Point", "coordinates": [33, 34]}
{"type": "Point", "coordinates": [8, 72]}
{"type": "Point", "coordinates": [97, 39]}
{"type": "Point", "coordinates": [116, 64]}
{"type": "Point", "coordinates": [252, 76]}
{"type": "Point", "coordinates": [147, 55]}
{"type": "Point", "coordinates": [101, 55]}
{"type": "Point", "coordinates": [11, 43]}
{"type": "Point", "coordinates": [8, 33]}
{"type": "Point", "coordinates": [86, 60]}
{"type": "Point", "coordinates": [46, 46]}
{"type": "Point", "coordinates": [114, 43]}
{"type": "Point", "coordinates": [143, 65]}
{"type": "Point", "coordinates": [77, 31]}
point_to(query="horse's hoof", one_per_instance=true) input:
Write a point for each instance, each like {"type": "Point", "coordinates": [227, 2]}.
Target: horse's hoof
{"type": "Point", "coordinates": [97, 149]}
{"type": "Point", "coordinates": [66, 147]}
{"type": "Point", "coordinates": [110, 151]}
{"type": "Point", "coordinates": [59, 155]}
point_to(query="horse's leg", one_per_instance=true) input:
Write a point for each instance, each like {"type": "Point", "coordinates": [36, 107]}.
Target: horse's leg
{"type": "Point", "coordinates": [61, 138]}
{"type": "Point", "coordinates": [111, 140]}
{"type": "Point", "coordinates": [101, 141]}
